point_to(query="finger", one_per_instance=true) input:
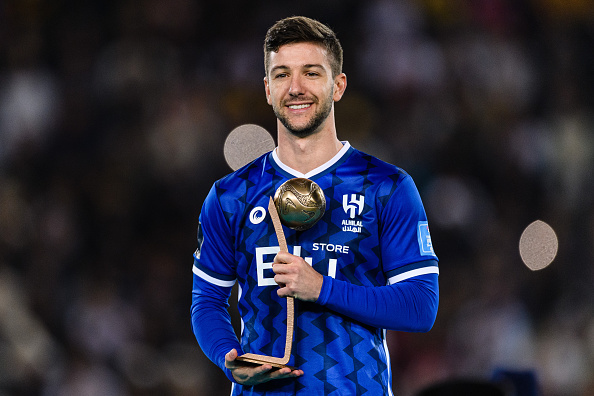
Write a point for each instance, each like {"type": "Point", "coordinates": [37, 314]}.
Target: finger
{"type": "Point", "coordinates": [296, 373]}
{"type": "Point", "coordinates": [248, 374]}
{"type": "Point", "coordinates": [278, 268]}
{"type": "Point", "coordinates": [282, 280]}
{"type": "Point", "coordinates": [231, 363]}
{"type": "Point", "coordinates": [285, 372]}
{"type": "Point", "coordinates": [280, 373]}
{"type": "Point", "coordinates": [284, 292]}
{"type": "Point", "coordinates": [261, 370]}
{"type": "Point", "coordinates": [230, 358]}
{"type": "Point", "coordinates": [283, 258]}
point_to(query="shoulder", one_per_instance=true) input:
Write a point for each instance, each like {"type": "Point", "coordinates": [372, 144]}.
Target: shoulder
{"type": "Point", "coordinates": [379, 172]}
{"type": "Point", "coordinates": [229, 192]}
{"type": "Point", "coordinates": [236, 182]}
{"type": "Point", "coordinates": [237, 193]}
{"type": "Point", "coordinates": [376, 164]}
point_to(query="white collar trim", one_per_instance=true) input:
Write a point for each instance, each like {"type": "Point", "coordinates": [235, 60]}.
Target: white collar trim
{"type": "Point", "coordinates": [345, 147]}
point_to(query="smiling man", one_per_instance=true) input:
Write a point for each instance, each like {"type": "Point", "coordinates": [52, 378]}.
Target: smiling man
{"type": "Point", "coordinates": [368, 265]}
{"type": "Point", "coordinates": [304, 93]}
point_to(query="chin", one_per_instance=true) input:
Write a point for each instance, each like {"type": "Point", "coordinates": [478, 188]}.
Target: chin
{"type": "Point", "coordinates": [308, 130]}
{"type": "Point", "coordinates": [303, 133]}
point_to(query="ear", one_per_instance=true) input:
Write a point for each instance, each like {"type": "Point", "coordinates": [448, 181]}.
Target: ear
{"type": "Point", "coordinates": [267, 89]}
{"type": "Point", "coordinates": [340, 83]}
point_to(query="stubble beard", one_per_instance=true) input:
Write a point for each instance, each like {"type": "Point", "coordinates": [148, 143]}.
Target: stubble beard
{"type": "Point", "coordinates": [314, 123]}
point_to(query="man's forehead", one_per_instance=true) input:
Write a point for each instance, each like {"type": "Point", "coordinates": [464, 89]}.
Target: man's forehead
{"type": "Point", "coordinates": [300, 54]}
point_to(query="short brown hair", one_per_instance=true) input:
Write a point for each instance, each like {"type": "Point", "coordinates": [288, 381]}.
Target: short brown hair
{"type": "Point", "coordinates": [300, 29]}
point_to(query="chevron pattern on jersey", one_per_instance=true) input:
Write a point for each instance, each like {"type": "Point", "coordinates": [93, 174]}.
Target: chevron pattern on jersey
{"type": "Point", "coordinates": [336, 354]}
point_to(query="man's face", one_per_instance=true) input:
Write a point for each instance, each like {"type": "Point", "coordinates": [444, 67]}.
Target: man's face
{"type": "Point", "coordinates": [300, 87]}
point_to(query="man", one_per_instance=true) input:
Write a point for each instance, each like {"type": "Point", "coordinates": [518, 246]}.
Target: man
{"type": "Point", "coordinates": [366, 266]}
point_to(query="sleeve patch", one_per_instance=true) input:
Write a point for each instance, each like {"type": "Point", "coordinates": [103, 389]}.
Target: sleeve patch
{"type": "Point", "coordinates": [425, 244]}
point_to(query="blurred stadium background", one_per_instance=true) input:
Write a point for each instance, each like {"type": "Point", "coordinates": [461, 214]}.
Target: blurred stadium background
{"type": "Point", "coordinates": [113, 116]}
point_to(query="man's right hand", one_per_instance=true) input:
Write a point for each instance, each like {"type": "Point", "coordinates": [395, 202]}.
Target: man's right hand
{"type": "Point", "coordinates": [253, 375]}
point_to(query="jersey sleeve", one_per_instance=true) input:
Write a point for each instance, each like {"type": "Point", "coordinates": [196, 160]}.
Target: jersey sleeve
{"type": "Point", "coordinates": [410, 305]}
{"type": "Point", "coordinates": [214, 277]}
{"type": "Point", "coordinates": [211, 322]}
{"type": "Point", "coordinates": [214, 257]}
{"type": "Point", "coordinates": [406, 247]}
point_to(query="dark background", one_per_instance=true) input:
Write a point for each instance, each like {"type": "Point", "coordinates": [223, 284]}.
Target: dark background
{"type": "Point", "coordinates": [113, 116]}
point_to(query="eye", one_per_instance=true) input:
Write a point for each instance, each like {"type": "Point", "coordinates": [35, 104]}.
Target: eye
{"type": "Point", "coordinates": [280, 75]}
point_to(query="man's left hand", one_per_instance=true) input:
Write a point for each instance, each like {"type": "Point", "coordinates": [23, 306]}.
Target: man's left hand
{"type": "Point", "coordinates": [296, 278]}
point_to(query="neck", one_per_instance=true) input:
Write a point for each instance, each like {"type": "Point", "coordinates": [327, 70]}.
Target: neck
{"type": "Point", "coordinates": [306, 154]}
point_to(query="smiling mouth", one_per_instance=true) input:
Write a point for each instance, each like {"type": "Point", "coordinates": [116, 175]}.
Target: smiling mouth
{"type": "Point", "coordinates": [300, 106]}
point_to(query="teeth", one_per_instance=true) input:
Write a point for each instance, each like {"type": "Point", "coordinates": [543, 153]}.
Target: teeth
{"type": "Point", "coordinates": [297, 107]}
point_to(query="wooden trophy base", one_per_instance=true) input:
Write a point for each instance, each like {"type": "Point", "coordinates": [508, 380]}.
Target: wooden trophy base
{"type": "Point", "coordinates": [278, 362]}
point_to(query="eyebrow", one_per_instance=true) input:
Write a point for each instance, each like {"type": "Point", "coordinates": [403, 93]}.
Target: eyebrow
{"type": "Point", "coordinates": [306, 66]}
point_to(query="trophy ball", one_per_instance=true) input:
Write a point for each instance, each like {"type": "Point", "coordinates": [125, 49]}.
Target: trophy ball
{"type": "Point", "coordinates": [300, 203]}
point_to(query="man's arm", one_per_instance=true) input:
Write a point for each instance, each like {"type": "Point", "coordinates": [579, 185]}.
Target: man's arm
{"type": "Point", "coordinates": [408, 305]}
{"type": "Point", "coordinates": [211, 322]}
{"type": "Point", "coordinates": [212, 327]}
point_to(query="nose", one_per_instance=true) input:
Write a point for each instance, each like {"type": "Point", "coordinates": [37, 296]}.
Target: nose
{"type": "Point", "coordinates": [296, 87]}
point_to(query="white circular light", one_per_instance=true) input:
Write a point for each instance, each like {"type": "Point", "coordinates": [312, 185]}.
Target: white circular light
{"type": "Point", "coordinates": [538, 245]}
{"type": "Point", "coordinates": [246, 143]}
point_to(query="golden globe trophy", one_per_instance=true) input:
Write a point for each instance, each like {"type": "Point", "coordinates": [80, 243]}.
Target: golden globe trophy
{"type": "Point", "coordinates": [298, 204]}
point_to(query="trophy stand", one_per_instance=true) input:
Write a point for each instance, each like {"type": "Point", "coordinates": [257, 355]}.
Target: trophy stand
{"type": "Point", "coordinates": [278, 362]}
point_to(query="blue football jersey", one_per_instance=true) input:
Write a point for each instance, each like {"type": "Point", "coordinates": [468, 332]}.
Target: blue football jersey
{"type": "Point", "coordinates": [374, 232]}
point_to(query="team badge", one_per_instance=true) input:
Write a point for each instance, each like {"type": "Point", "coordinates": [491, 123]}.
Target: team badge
{"type": "Point", "coordinates": [353, 206]}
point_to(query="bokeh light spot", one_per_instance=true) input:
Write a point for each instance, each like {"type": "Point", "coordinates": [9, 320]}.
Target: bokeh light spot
{"type": "Point", "coordinates": [538, 245]}
{"type": "Point", "coordinates": [246, 143]}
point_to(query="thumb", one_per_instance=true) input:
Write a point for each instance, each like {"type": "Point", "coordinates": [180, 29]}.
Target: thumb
{"type": "Point", "coordinates": [230, 357]}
